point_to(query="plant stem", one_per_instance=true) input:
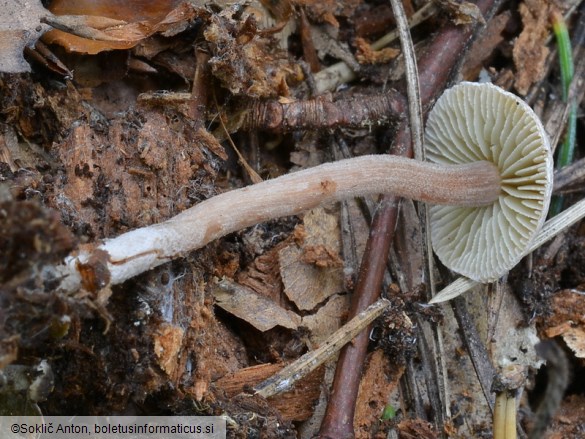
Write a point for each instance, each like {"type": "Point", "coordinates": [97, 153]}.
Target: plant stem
{"type": "Point", "coordinates": [567, 149]}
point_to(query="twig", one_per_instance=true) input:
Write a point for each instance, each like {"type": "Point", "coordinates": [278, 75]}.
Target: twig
{"type": "Point", "coordinates": [338, 420]}
{"type": "Point", "coordinates": [412, 85]}
{"type": "Point", "coordinates": [321, 112]}
{"type": "Point", "coordinates": [295, 371]}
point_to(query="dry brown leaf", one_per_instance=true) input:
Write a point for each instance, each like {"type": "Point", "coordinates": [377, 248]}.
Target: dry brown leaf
{"type": "Point", "coordinates": [262, 275]}
{"type": "Point", "coordinates": [132, 22]}
{"type": "Point", "coordinates": [321, 256]}
{"type": "Point", "coordinates": [20, 27]}
{"type": "Point", "coordinates": [305, 284]}
{"type": "Point", "coordinates": [260, 312]}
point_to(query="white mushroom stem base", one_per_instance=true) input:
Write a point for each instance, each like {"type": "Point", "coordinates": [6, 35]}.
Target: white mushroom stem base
{"type": "Point", "coordinates": [474, 184]}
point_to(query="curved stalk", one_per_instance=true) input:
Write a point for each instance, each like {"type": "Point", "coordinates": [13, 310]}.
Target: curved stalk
{"type": "Point", "coordinates": [132, 253]}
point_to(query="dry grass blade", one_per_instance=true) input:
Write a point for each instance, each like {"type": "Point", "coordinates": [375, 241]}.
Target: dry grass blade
{"type": "Point", "coordinates": [413, 89]}
{"type": "Point", "coordinates": [550, 229]}
{"type": "Point", "coordinates": [312, 360]}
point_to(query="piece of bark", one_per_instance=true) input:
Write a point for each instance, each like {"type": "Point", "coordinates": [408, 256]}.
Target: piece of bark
{"type": "Point", "coordinates": [568, 320]}
{"type": "Point", "coordinates": [380, 379]}
{"type": "Point", "coordinates": [530, 49]}
{"type": "Point", "coordinates": [294, 405]}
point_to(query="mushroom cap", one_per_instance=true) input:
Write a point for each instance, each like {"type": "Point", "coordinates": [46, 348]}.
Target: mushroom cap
{"type": "Point", "coordinates": [472, 122]}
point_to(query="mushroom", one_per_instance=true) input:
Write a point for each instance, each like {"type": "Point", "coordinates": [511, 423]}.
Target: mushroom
{"type": "Point", "coordinates": [473, 122]}
{"type": "Point", "coordinates": [489, 165]}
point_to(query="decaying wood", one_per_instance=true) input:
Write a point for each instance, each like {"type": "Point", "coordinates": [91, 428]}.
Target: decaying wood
{"type": "Point", "coordinates": [294, 405]}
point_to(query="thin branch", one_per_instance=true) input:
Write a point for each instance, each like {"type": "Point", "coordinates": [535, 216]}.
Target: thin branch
{"type": "Point", "coordinates": [321, 112]}
{"type": "Point", "coordinates": [338, 420]}
{"type": "Point", "coordinates": [300, 368]}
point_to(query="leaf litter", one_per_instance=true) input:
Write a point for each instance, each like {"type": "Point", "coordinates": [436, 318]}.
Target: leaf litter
{"type": "Point", "coordinates": [108, 162]}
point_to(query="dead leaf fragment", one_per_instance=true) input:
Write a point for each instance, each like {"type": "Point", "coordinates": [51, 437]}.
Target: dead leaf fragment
{"type": "Point", "coordinates": [263, 275]}
{"type": "Point", "coordinates": [305, 284]}
{"type": "Point", "coordinates": [321, 256]}
{"type": "Point", "coordinates": [92, 27]}
{"type": "Point", "coordinates": [20, 27]}
{"type": "Point", "coordinates": [257, 310]}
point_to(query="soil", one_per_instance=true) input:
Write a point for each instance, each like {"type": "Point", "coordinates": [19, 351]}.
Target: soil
{"type": "Point", "coordinates": [185, 100]}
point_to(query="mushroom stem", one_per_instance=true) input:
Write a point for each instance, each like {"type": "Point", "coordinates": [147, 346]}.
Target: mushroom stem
{"type": "Point", "coordinates": [505, 416]}
{"type": "Point", "coordinates": [132, 253]}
